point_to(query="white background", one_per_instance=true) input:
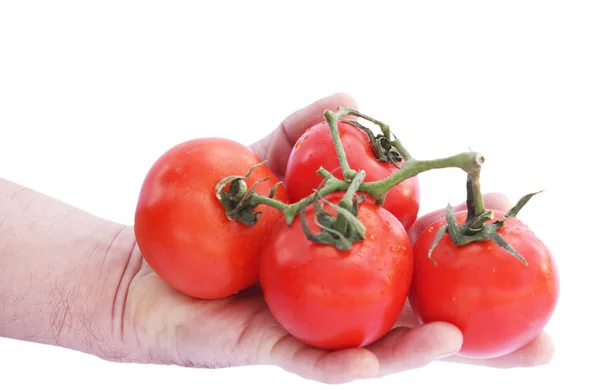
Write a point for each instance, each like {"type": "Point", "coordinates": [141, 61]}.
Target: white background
{"type": "Point", "coordinates": [92, 92]}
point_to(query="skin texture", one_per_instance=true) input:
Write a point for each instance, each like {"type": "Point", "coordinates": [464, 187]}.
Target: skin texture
{"type": "Point", "coordinates": [332, 299]}
{"type": "Point", "coordinates": [315, 149]}
{"type": "Point", "coordinates": [101, 297]}
{"type": "Point", "coordinates": [499, 304]}
{"type": "Point", "coordinates": [181, 228]}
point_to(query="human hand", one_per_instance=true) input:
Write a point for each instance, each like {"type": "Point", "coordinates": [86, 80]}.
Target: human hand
{"type": "Point", "coordinates": [165, 326]}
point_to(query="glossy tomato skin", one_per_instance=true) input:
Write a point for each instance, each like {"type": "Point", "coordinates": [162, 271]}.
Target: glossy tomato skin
{"type": "Point", "coordinates": [315, 149]}
{"type": "Point", "coordinates": [332, 299]}
{"type": "Point", "coordinates": [498, 303]}
{"type": "Point", "coordinates": [181, 228]}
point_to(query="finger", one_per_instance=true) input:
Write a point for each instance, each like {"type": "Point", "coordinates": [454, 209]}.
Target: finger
{"type": "Point", "coordinates": [405, 349]}
{"type": "Point", "coordinates": [537, 353]}
{"type": "Point", "coordinates": [335, 367]}
{"type": "Point", "coordinates": [276, 147]}
{"type": "Point", "coordinates": [493, 200]}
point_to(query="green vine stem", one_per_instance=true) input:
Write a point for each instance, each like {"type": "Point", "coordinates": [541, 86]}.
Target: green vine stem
{"type": "Point", "coordinates": [477, 215]}
{"type": "Point", "coordinates": [477, 196]}
{"type": "Point", "coordinates": [346, 201]}
{"type": "Point", "coordinates": [468, 162]}
{"type": "Point", "coordinates": [332, 119]}
{"type": "Point", "coordinates": [239, 201]}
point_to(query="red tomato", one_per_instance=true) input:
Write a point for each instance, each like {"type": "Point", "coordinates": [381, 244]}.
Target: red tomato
{"type": "Point", "coordinates": [498, 303]}
{"type": "Point", "coordinates": [182, 229]}
{"type": "Point", "coordinates": [315, 149]}
{"type": "Point", "coordinates": [336, 299]}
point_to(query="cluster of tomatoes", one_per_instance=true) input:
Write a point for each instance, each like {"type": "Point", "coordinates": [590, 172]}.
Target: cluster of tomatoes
{"type": "Point", "coordinates": [324, 296]}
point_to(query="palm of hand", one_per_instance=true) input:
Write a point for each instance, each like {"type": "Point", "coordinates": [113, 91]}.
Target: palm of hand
{"type": "Point", "coordinates": [240, 330]}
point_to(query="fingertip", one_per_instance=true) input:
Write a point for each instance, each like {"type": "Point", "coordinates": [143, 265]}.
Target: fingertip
{"type": "Point", "coordinates": [435, 340]}
{"type": "Point", "coordinates": [370, 366]}
{"type": "Point", "coordinates": [548, 348]}
{"type": "Point", "coordinates": [332, 102]}
{"type": "Point", "coordinates": [497, 201]}
{"type": "Point", "coordinates": [299, 121]}
{"type": "Point", "coordinates": [276, 146]}
{"type": "Point", "coordinates": [442, 339]}
{"type": "Point", "coordinates": [344, 99]}
{"type": "Point", "coordinates": [404, 348]}
{"type": "Point", "coordinates": [333, 367]}
{"type": "Point", "coordinates": [537, 353]}
{"type": "Point", "coordinates": [364, 364]}
{"type": "Point", "coordinates": [348, 365]}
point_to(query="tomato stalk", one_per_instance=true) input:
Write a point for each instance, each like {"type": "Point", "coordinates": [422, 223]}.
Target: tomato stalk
{"type": "Point", "coordinates": [468, 162]}
{"type": "Point", "coordinates": [476, 228]}
{"type": "Point", "coordinates": [346, 201]}
{"type": "Point", "coordinates": [477, 215]}
{"type": "Point", "coordinates": [240, 202]}
{"type": "Point", "coordinates": [332, 120]}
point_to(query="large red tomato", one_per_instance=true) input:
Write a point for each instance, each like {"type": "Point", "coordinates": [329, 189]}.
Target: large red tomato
{"type": "Point", "coordinates": [498, 303]}
{"type": "Point", "coordinates": [315, 149]}
{"type": "Point", "coordinates": [182, 229]}
{"type": "Point", "coordinates": [336, 299]}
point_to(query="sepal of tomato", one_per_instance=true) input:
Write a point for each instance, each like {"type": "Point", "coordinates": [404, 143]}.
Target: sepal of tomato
{"type": "Point", "coordinates": [315, 149]}
{"type": "Point", "coordinates": [334, 299]}
{"type": "Point", "coordinates": [499, 303]}
{"type": "Point", "coordinates": [182, 229]}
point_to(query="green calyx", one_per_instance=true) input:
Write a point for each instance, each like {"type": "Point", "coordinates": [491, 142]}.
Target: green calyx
{"type": "Point", "coordinates": [238, 200]}
{"type": "Point", "coordinates": [342, 230]}
{"type": "Point", "coordinates": [382, 146]}
{"type": "Point", "coordinates": [475, 228]}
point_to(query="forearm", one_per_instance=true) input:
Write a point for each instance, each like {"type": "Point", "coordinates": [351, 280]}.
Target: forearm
{"type": "Point", "coordinates": [64, 274]}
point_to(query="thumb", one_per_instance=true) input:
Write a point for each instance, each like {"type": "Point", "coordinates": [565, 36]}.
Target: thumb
{"type": "Point", "coordinates": [495, 201]}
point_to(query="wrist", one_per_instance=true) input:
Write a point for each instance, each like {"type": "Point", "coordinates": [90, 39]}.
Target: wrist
{"type": "Point", "coordinates": [112, 270]}
{"type": "Point", "coordinates": [64, 274]}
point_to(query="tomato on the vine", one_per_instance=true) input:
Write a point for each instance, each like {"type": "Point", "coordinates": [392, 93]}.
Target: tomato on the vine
{"type": "Point", "coordinates": [316, 149]}
{"type": "Point", "coordinates": [335, 299]}
{"type": "Point", "coordinates": [499, 303]}
{"type": "Point", "coordinates": [182, 229]}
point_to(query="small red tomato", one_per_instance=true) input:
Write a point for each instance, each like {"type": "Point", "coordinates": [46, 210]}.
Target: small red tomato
{"type": "Point", "coordinates": [315, 149]}
{"type": "Point", "coordinates": [336, 299]}
{"type": "Point", "coordinates": [182, 229]}
{"type": "Point", "coordinates": [498, 303]}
